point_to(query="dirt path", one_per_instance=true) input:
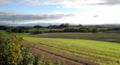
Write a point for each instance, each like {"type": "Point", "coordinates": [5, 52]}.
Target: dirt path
{"type": "Point", "coordinates": [67, 60]}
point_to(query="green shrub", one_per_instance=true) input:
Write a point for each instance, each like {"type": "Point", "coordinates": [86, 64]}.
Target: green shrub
{"type": "Point", "coordinates": [27, 56]}
{"type": "Point", "coordinates": [38, 60]}
{"type": "Point", "coordinates": [58, 63]}
{"type": "Point", "coordinates": [12, 52]}
{"type": "Point", "coordinates": [3, 50]}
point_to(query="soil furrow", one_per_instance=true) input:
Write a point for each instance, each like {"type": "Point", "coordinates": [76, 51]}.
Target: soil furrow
{"type": "Point", "coordinates": [67, 60]}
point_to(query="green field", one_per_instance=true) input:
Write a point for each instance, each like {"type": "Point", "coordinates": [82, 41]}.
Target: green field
{"type": "Point", "coordinates": [23, 34]}
{"type": "Point", "coordinates": [18, 34]}
{"type": "Point", "coordinates": [112, 37]}
{"type": "Point", "coordinates": [4, 33]}
{"type": "Point", "coordinates": [104, 53]}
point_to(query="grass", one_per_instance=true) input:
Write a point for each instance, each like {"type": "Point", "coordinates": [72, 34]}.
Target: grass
{"type": "Point", "coordinates": [23, 34]}
{"type": "Point", "coordinates": [104, 53]}
{"type": "Point", "coordinates": [19, 34]}
{"type": "Point", "coordinates": [111, 37]}
{"type": "Point", "coordinates": [4, 33]}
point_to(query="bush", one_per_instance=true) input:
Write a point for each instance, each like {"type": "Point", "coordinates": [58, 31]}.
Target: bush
{"type": "Point", "coordinates": [3, 50]}
{"type": "Point", "coordinates": [10, 50]}
{"type": "Point", "coordinates": [13, 53]}
{"type": "Point", "coordinates": [27, 57]}
{"type": "Point", "coordinates": [38, 60]}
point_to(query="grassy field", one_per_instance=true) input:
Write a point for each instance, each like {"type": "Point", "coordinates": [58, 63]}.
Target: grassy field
{"type": "Point", "coordinates": [23, 34]}
{"type": "Point", "coordinates": [112, 37]}
{"type": "Point", "coordinates": [104, 53]}
{"type": "Point", "coordinates": [4, 33]}
{"type": "Point", "coordinates": [19, 34]}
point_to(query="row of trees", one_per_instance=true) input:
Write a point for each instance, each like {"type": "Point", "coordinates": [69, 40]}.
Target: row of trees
{"type": "Point", "coordinates": [19, 29]}
{"type": "Point", "coordinates": [58, 28]}
{"type": "Point", "coordinates": [81, 29]}
{"type": "Point", "coordinates": [23, 29]}
{"type": "Point", "coordinates": [53, 26]}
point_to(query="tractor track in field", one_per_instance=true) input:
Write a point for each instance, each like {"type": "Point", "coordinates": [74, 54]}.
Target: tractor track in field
{"type": "Point", "coordinates": [67, 60]}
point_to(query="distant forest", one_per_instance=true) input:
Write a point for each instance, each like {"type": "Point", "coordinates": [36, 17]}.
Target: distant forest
{"type": "Point", "coordinates": [37, 29]}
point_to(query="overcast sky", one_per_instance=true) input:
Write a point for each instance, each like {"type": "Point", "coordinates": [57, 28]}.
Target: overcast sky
{"type": "Point", "coordinates": [92, 12]}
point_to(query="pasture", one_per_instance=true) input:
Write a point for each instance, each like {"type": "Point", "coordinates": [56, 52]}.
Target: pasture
{"type": "Point", "coordinates": [104, 53]}
{"type": "Point", "coordinates": [18, 34]}
{"type": "Point", "coordinates": [23, 34]}
{"type": "Point", "coordinates": [4, 33]}
{"type": "Point", "coordinates": [111, 37]}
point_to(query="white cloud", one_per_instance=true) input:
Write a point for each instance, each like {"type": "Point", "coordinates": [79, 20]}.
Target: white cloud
{"type": "Point", "coordinates": [8, 17]}
{"type": "Point", "coordinates": [66, 3]}
{"type": "Point", "coordinates": [103, 11]}
{"type": "Point", "coordinates": [90, 18]}
{"type": "Point", "coordinates": [84, 4]}
{"type": "Point", "coordinates": [97, 16]}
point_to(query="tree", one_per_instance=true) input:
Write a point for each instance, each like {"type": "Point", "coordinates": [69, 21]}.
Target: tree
{"type": "Point", "coordinates": [53, 26]}
{"type": "Point", "coordinates": [80, 25]}
{"type": "Point", "coordinates": [37, 26]}
{"type": "Point", "coordinates": [95, 30]}
{"type": "Point", "coordinates": [64, 25]}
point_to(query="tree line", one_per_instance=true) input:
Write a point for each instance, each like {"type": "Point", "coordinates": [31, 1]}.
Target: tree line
{"type": "Point", "coordinates": [59, 28]}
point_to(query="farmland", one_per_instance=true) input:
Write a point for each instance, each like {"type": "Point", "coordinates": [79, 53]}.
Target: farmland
{"type": "Point", "coordinates": [110, 37]}
{"type": "Point", "coordinates": [101, 48]}
{"type": "Point", "coordinates": [4, 32]}
{"type": "Point", "coordinates": [104, 53]}
{"type": "Point", "coordinates": [19, 34]}
{"type": "Point", "coordinates": [23, 34]}
{"type": "Point", "coordinates": [59, 32]}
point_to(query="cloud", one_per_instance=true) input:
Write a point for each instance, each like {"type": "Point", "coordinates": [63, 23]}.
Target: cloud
{"type": "Point", "coordinates": [105, 17]}
{"type": "Point", "coordinates": [108, 2]}
{"type": "Point", "coordinates": [95, 12]}
{"type": "Point", "coordinates": [31, 17]}
{"type": "Point", "coordinates": [11, 18]}
{"type": "Point", "coordinates": [66, 3]}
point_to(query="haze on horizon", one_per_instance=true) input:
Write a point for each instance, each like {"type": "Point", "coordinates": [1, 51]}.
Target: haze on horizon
{"type": "Point", "coordinates": [34, 12]}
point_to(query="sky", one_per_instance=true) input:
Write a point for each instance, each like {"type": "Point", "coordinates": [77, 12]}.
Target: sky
{"type": "Point", "coordinates": [46, 12]}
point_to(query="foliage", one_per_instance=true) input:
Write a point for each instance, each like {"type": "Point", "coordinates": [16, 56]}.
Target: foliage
{"type": "Point", "coordinates": [37, 32]}
{"type": "Point", "coordinates": [37, 26]}
{"type": "Point", "coordinates": [3, 50]}
{"type": "Point", "coordinates": [15, 56]}
{"type": "Point", "coordinates": [38, 60]}
{"type": "Point", "coordinates": [81, 29]}
{"type": "Point", "coordinates": [28, 58]}
{"type": "Point", "coordinates": [64, 25]}
{"type": "Point", "coordinates": [12, 52]}
{"type": "Point", "coordinates": [61, 28]}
